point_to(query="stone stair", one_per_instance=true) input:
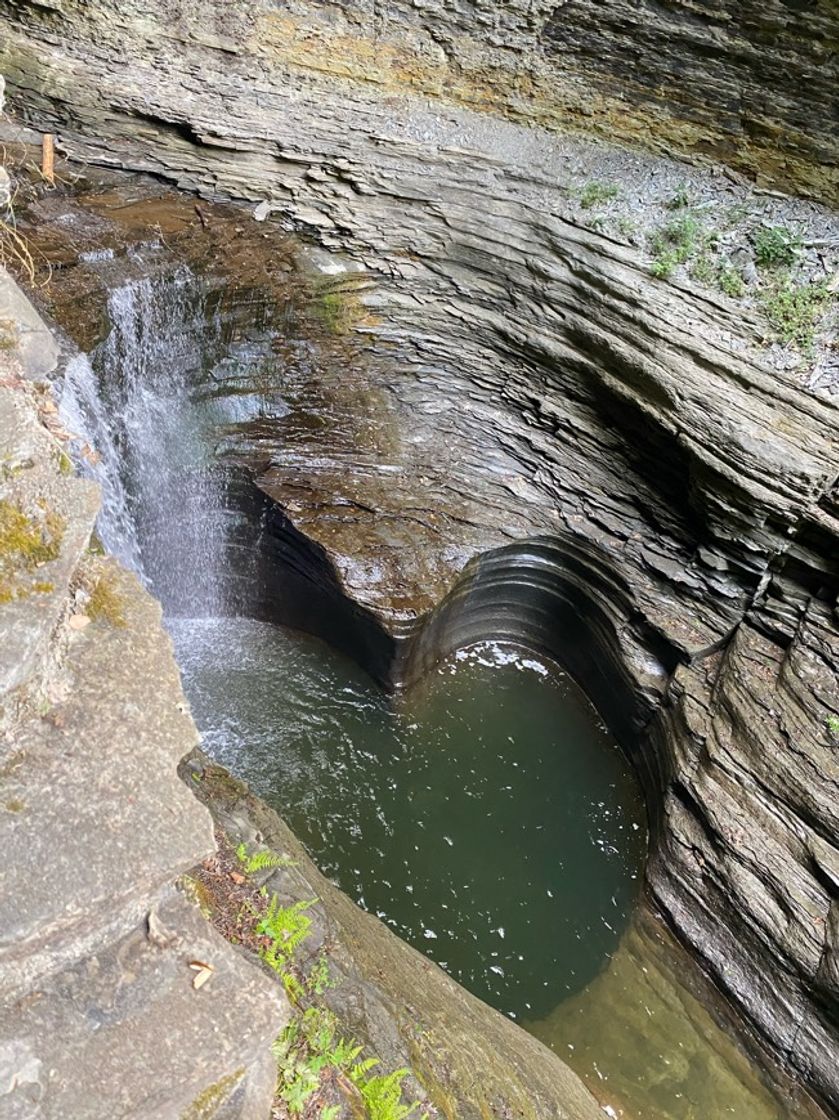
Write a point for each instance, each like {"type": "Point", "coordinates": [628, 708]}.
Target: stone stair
{"type": "Point", "coordinates": [99, 1013]}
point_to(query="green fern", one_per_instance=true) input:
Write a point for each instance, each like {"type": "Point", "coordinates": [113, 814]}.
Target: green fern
{"type": "Point", "coordinates": [288, 927]}
{"type": "Point", "coordinates": [294, 989]}
{"type": "Point", "coordinates": [305, 1049]}
{"type": "Point", "coordinates": [382, 1094]}
{"type": "Point", "coordinates": [258, 861]}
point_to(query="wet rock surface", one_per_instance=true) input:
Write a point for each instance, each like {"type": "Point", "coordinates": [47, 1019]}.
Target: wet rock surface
{"type": "Point", "coordinates": [100, 1015]}
{"type": "Point", "coordinates": [622, 439]}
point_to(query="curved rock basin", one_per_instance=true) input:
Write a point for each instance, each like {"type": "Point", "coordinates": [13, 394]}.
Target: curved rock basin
{"type": "Point", "coordinates": [486, 815]}
{"type": "Point", "coordinates": [492, 822]}
{"type": "Point", "coordinates": [232, 367]}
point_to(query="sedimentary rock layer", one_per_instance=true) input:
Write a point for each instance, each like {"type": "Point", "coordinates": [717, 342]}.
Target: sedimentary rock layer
{"type": "Point", "coordinates": [750, 84]}
{"type": "Point", "coordinates": [528, 388]}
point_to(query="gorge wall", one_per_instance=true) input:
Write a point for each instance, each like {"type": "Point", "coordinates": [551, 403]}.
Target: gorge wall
{"type": "Point", "coordinates": [721, 80]}
{"type": "Point", "coordinates": [537, 409]}
{"type": "Point", "coordinates": [99, 1009]}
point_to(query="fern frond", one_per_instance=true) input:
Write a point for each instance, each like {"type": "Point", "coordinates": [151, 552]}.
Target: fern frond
{"type": "Point", "coordinates": [259, 861]}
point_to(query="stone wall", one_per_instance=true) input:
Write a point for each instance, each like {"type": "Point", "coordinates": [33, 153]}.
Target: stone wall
{"type": "Point", "coordinates": [749, 84]}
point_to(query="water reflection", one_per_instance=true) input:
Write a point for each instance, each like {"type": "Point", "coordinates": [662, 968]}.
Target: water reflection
{"type": "Point", "coordinates": [646, 1046]}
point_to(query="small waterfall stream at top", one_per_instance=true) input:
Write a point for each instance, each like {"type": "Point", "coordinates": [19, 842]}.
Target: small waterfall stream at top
{"type": "Point", "coordinates": [144, 399]}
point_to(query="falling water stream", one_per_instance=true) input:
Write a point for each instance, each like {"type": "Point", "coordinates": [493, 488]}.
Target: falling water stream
{"type": "Point", "coordinates": [487, 816]}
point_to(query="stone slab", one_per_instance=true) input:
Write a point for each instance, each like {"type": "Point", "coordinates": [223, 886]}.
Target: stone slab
{"type": "Point", "coordinates": [125, 1034]}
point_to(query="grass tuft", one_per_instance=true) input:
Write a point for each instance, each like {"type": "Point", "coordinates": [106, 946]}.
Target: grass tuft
{"type": "Point", "coordinates": [794, 310]}
{"type": "Point", "coordinates": [596, 193]}
{"type": "Point", "coordinates": [675, 243]}
{"type": "Point", "coordinates": [776, 247]}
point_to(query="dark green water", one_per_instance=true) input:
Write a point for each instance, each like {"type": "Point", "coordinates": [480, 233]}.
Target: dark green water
{"type": "Point", "coordinates": [490, 820]}
{"type": "Point", "coordinates": [486, 816]}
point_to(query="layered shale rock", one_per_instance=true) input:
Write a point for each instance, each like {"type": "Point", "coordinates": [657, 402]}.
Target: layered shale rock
{"type": "Point", "coordinates": [751, 84]}
{"type": "Point", "coordinates": [551, 445]}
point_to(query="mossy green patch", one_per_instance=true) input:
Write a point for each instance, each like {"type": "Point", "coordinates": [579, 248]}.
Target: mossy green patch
{"type": "Point", "coordinates": [106, 603]}
{"type": "Point", "coordinates": [209, 1100]}
{"type": "Point", "coordinates": [65, 463]}
{"type": "Point", "coordinates": [26, 543]}
{"type": "Point", "coordinates": [220, 786]}
{"type": "Point", "coordinates": [335, 303]}
{"type": "Point", "coordinates": [198, 893]}
{"type": "Point", "coordinates": [8, 335]}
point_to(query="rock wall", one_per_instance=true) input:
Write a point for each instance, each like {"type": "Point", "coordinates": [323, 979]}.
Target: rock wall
{"type": "Point", "coordinates": [100, 1016]}
{"type": "Point", "coordinates": [749, 84]}
{"type": "Point", "coordinates": [527, 382]}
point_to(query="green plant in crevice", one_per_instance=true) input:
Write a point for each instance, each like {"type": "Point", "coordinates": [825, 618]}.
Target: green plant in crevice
{"type": "Point", "coordinates": [319, 979]}
{"type": "Point", "coordinates": [259, 861]}
{"type": "Point", "coordinates": [704, 269]}
{"type": "Point", "coordinates": [313, 1057]}
{"type": "Point", "coordinates": [310, 1047]}
{"type": "Point", "coordinates": [730, 281]}
{"type": "Point", "coordinates": [680, 200]}
{"type": "Point", "coordinates": [675, 243]}
{"type": "Point", "coordinates": [596, 193]}
{"type": "Point", "coordinates": [832, 725]}
{"type": "Point", "coordinates": [382, 1093]}
{"type": "Point", "coordinates": [287, 927]}
{"type": "Point", "coordinates": [776, 247]}
{"type": "Point", "coordinates": [335, 302]}
{"type": "Point", "coordinates": [795, 309]}
{"type": "Point", "coordinates": [626, 228]}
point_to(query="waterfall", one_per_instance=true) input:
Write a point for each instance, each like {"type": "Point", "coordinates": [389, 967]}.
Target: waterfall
{"type": "Point", "coordinates": [139, 401]}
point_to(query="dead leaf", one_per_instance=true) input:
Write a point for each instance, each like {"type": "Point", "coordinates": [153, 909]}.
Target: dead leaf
{"type": "Point", "coordinates": [236, 877]}
{"type": "Point", "coordinates": [201, 978]}
{"type": "Point", "coordinates": [78, 621]}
